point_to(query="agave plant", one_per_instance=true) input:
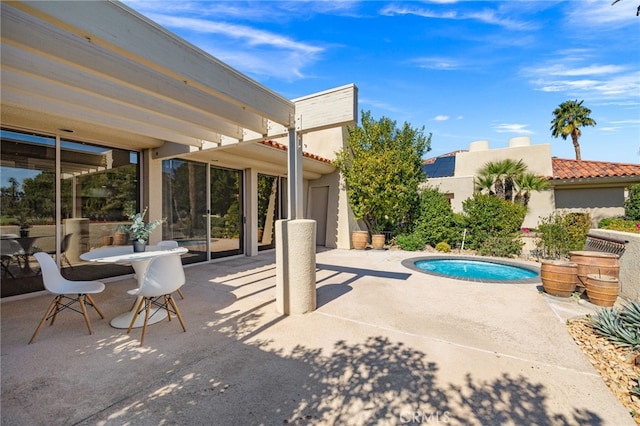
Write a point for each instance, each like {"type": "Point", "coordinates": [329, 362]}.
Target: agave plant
{"type": "Point", "coordinates": [621, 327]}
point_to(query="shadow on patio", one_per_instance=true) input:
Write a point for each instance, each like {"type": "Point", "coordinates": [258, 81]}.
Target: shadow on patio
{"type": "Point", "coordinates": [240, 362]}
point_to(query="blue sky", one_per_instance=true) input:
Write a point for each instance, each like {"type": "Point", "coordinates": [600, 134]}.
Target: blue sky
{"type": "Point", "coordinates": [465, 70]}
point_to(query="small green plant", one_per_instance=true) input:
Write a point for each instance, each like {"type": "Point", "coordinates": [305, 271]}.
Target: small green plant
{"type": "Point", "coordinates": [443, 247]}
{"type": "Point", "coordinates": [632, 205]}
{"type": "Point", "coordinates": [636, 389]}
{"type": "Point", "coordinates": [501, 246]}
{"type": "Point", "coordinates": [562, 233]}
{"type": "Point", "coordinates": [621, 327]}
{"type": "Point", "coordinates": [620, 224]}
{"type": "Point", "coordinates": [409, 242]}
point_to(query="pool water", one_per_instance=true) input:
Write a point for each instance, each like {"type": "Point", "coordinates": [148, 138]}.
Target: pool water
{"type": "Point", "coordinates": [475, 269]}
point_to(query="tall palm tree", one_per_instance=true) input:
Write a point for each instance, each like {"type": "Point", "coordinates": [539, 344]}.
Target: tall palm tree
{"type": "Point", "coordinates": [568, 118]}
{"type": "Point", "coordinates": [526, 183]}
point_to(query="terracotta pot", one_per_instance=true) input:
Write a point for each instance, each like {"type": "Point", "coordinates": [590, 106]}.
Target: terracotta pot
{"type": "Point", "coordinates": [377, 241]}
{"type": "Point", "coordinates": [559, 278]}
{"type": "Point", "coordinates": [595, 262]}
{"type": "Point", "coordinates": [107, 241]}
{"type": "Point", "coordinates": [602, 290]}
{"type": "Point", "coordinates": [359, 240]}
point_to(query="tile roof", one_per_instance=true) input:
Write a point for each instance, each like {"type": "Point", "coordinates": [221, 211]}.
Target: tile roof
{"type": "Point", "coordinates": [304, 154]}
{"type": "Point", "coordinates": [574, 169]}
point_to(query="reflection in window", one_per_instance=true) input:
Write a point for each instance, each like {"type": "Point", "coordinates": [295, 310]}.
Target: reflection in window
{"type": "Point", "coordinates": [267, 210]}
{"type": "Point", "coordinates": [226, 212]}
{"type": "Point", "coordinates": [98, 185]}
{"type": "Point", "coordinates": [184, 205]}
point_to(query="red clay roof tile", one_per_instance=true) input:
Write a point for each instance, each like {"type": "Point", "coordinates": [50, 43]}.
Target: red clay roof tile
{"type": "Point", "coordinates": [574, 169]}
{"type": "Point", "coordinates": [305, 154]}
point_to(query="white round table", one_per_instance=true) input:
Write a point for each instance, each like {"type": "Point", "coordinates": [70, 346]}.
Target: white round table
{"type": "Point", "coordinates": [140, 262]}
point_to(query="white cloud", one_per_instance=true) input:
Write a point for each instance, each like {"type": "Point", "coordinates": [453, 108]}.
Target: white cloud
{"type": "Point", "coordinates": [587, 13]}
{"type": "Point", "coordinates": [441, 118]}
{"type": "Point", "coordinates": [512, 128]}
{"type": "Point", "coordinates": [486, 16]}
{"type": "Point", "coordinates": [437, 63]}
{"type": "Point", "coordinates": [578, 74]}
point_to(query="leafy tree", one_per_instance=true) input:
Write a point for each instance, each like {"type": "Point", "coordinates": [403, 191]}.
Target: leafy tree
{"type": "Point", "coordinates": [632, 205]}
{"type": "Point", "coordinates": [568, 118]}
{"type": "Point", "coordinates": [382, 170]}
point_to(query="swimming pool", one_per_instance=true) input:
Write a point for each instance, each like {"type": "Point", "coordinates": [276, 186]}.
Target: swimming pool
{"type": "Point", "coordinates": [475, 269]}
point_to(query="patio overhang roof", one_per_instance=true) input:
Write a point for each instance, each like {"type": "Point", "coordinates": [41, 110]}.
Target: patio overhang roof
{"type": "Point", "coordinates": [110, 74]}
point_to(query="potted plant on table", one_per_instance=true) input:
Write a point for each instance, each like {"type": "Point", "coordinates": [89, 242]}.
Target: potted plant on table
{"type": "Point", "coordinates": [139, 231]}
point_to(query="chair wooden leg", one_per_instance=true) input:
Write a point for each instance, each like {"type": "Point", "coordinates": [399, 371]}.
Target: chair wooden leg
{"type": "Point", "coordinates": [93, 303]}
{"type": "Point", "coordinates": [167, 307]}
{"type": "Point", "coordinates": [44, 318]}
{"type": "Point", "coordinates": [135, 315]}
{"type": "Point", "coordinates": [175, 308]}
{"type": "Point", "coordinates": [146, 319]}
{"type": "Point", "coordinates": [55, 314]}
{"type": "Point", "coordinates": [84, 312]}
{"type": "Point", "coordinates": [181, 295]}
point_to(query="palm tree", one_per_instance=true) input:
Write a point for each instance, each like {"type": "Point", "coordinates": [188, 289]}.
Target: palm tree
{"type": "Point", "coordinates": [501, 174]}
{"type": "Point", "coordinates": [568, 118]}
{"type": "Point", "coordinates": [526, 183]}
{"type": "Point", "coordinates": [484, 183]}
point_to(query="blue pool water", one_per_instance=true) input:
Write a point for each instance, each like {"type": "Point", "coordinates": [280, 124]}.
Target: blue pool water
{"type": "Point", "coordinates": [474, 269]}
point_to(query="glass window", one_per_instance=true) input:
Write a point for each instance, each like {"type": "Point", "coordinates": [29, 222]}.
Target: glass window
{"type": "Point", "coordinates": [98, 186]}
{"type": "Point", "coordinates": [226, 212]}
{"type": "Point", "coordinates": [99, 190]}
{"type": "Point", "coordinates": [268, 210]}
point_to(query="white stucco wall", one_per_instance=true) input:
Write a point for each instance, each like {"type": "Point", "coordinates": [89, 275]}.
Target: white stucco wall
{"type": "Point", "coordinates": [536, 157]}
{"type": "Point", "coordinates": [460, 186]}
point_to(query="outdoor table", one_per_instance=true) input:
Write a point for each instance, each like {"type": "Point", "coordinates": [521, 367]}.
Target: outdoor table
{"type": "Point", "coordinates": [140, 263]}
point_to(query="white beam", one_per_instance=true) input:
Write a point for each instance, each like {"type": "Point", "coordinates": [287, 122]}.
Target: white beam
{"type": "Point", "coordinates": [104, 23]}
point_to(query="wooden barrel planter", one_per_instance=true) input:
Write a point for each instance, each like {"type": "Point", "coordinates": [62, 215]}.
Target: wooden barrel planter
{"type": "Point", "coordinates": [595, 262]}
{"type": "Point", "coordinates": [602, 290]}
{"type": "Point", "coordinates": [559, 278]}
{"type": "Point", "coordinates": [359, 239]}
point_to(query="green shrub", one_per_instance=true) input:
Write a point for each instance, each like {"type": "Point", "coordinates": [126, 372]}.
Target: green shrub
{"type": "Point", "coordinates": [443, 247]}
{"type": "Point", "coordinates": [620, 224]}
{"type": "Point", "coordinates": [436, 221]}
{"type": "Point", "coordinates": [562, 233]}
{"type": "Point", "coordinates": [487, 217]}
{"type": "Point", "coordinates": [409, 242]}
{"type": "Point", "coordinates": [632, 205]}
{"type": "Point", "coordinates": [501, 247]}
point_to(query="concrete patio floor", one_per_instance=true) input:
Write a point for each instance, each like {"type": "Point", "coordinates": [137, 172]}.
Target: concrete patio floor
{"type": "Point", "coordinates": [386, 346]}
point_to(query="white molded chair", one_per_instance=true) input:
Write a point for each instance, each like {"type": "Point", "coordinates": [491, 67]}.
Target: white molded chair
{"type": "Point", "coordinates": [164, 276]}
{"type": "Point", "coordinates": [171, 244]}
{"type": "Point", "coordinates": [61, 287]}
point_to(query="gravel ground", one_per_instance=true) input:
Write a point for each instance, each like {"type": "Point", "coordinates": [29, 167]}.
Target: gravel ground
{"type": "Point", "coordinates": [618, 366]}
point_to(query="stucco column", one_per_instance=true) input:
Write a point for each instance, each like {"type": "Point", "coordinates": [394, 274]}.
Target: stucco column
{"type": "Point", "coordinates": [295, 266]}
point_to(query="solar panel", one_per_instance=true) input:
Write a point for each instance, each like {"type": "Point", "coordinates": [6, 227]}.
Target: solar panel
{"type": "Point", "coordinates": [442, 167]}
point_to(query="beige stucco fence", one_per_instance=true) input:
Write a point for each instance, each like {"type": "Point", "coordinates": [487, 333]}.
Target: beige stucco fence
{"type": "Point", "coordinates": [629, 262]}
